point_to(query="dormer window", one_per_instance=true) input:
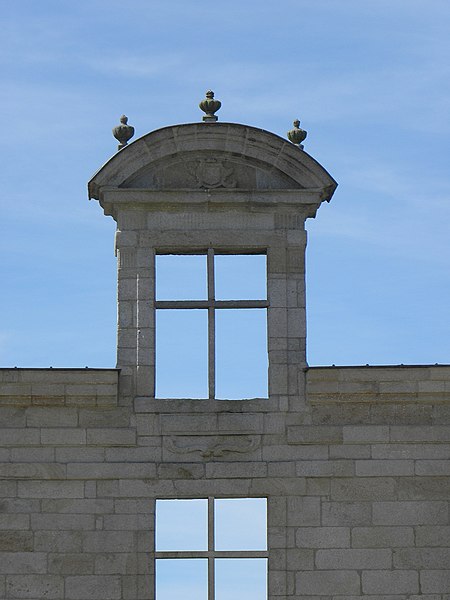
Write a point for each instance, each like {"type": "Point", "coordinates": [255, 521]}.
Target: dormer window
{"type": "Point", "coordinates": [210, 202]}
{"type": "Point", "coordinates": [211, 325]}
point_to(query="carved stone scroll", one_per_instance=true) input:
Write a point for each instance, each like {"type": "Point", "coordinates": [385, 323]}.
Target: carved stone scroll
{"type": "Point", "coordinates": [214, 446]}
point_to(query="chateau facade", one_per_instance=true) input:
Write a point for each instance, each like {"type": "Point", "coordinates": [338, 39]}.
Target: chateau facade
{"type": "Point", "coordinates": [352, 463]}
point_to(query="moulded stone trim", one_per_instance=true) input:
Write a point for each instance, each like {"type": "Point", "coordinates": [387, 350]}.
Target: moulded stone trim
{"type": "Point", "coordinates": [255, 146]}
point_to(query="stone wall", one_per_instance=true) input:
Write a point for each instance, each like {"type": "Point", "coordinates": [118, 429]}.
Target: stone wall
{"type": "Point", "coordinates": [358, 482]}
{"type": "Point", "coordinates": [386, 482]}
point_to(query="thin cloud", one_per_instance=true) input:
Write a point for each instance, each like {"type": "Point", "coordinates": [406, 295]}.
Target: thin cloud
{"type": "Point", "coordinates": [4, 342]}
{"type": "Point", "coordinates": [136, 66]}
{"type": "Point", "coordinates": [400, 220]}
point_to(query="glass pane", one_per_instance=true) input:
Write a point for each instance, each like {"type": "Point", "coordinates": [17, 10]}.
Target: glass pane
{"type": "Point", "coordinates": [241, 524]}
{"type": "Point", "coordinates": [181, 354]}
{"type": "Point", "coordinates": [241, 353]}
{"type": "Point", "coordinates": [240, 277]}
{"type": "Point", "coordinates": [181, 525]}
{"type": "Point", "coordinates": [241, 578]}
{"type": "Point", "coordinates": [185, 579]}
{"type": "Point", "coordinates": [181, 277]}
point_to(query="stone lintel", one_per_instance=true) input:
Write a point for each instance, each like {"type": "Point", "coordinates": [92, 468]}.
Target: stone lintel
{"type": "Point", "coordinates": [305, 202]}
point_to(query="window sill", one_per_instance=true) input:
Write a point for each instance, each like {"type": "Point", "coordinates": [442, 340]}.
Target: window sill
{"type": "Point", "coordinates": [144, 404]}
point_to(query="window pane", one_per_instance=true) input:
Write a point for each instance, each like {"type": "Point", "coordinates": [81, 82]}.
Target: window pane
{"type": "Point", "coordinates": [241, 578]}
{"type": "Point", "coordinates": [181, 277]}
{"type": "Point", "coordinates": [240, 524]}
{"type": "Point", "coordinates": [241, 353]}
{"type": "Point", "coordinates": [240, 277]}
{"type": "Point", "coordinates": [181, 525]}
{"type": "Point", "coordinates": [182, 579]}
{"type": "Point", "coordinates": [181, 354]}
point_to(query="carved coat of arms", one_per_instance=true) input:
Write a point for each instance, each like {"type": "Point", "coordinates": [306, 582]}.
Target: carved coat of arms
{"type": "Point", "coordinates": [213, 173]}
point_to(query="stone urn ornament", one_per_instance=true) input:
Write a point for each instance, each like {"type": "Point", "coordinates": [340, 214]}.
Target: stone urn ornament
{"type": "Point", "coordinates": [210, 106]}
{"type": "Point", "coordinates": [123, 132]}
{"type": "Point", "coordinates": [297, 135]}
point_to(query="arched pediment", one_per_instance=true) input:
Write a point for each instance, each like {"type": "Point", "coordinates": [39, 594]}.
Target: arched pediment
{"type": "Point", "coordinates": [212, 156]}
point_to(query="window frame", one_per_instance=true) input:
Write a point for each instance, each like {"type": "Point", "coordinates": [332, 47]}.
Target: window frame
{"type": "Point", "coordinates": [211, 304]}
{"type": "Point", "coordinates": [211, 554]}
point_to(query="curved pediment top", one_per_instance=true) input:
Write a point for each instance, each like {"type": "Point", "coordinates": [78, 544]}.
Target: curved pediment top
{"type": "Point", "coordinates": [209, 156]}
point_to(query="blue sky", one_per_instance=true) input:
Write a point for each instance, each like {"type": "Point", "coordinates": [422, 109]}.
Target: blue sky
{"type": "Point", "coordinates": [369, 81]}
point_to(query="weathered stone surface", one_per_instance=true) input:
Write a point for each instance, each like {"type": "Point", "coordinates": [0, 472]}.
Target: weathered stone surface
{"type": "Point", "coordinates": [363, 488]}
{"type": "Point", "coordinates": [435, 581]}
{"type": "Point", "coordinates": [410, 513]}
{"type": "Point", "coordinates": [382, 537]}
{"type": "Point", "coordinates": [345, 558]}
{"type": "Point", "coordinates": [322, 537]}
{"type": "Point", "coordinates": [35, 586]}
{"type": "Point", "coordinates": [421, 488]}
{"type": "Point", "coordinates": [320, 583]}
{"type": "Point", "coordinates": [346, 513]}
{"type": "Point", "coordinates": [97, 587]}
{"type": "Point", "coordinates": [432, 535]}
{"type": "Point", "coordinates": [388, 582]}
{"type": "Point", "coordinates": [61, 522]}
{"type": "Point", "coordinates": [23, 562]}
{"type": "Point", "coordinates": [50, 489]}
{"type": "Point", "coordinates": [71, 564]}
{"type": "Point", "coordinates": [421, 558]}
{"type": "Point", "coordinates": [16, 541]}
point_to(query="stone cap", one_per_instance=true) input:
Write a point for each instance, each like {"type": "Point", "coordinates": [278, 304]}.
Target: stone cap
{"type": "Point", "coordinates": [212, 156]}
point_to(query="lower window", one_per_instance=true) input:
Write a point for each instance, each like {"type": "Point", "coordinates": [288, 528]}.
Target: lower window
{"type": "Point", "coordinates": [211, 549]}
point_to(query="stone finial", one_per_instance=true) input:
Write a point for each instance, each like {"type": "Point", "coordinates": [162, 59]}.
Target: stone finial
{"type": "Point", "coordinates": [210, 106]}
{"type": "Point", "coordinates": [123, 132]}
{"type": "Point", "coordinates": [297, 135]}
